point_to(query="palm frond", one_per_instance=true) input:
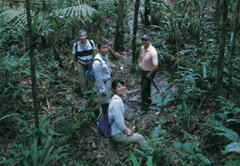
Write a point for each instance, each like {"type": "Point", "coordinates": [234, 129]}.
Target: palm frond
{"type": "Point", "coordinates": [18, 16]}
{"type": "Point", "coordinates": [81, 11]}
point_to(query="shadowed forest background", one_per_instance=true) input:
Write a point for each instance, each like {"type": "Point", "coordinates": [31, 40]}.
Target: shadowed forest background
{"type": "Point", "coordinates": [195, 119]}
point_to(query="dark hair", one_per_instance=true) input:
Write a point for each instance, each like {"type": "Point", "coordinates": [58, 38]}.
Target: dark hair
{"type": "Point", "coordinates": [81, 31]}
{"type": "Point", "coordinates": [115, 83]}
{"type": "Point", "coordinates": [102, 43]}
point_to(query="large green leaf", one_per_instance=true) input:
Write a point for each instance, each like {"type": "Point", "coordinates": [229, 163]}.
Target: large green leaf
{"type": "Point", "coordinates": [232, 147]}
{"type": "Point", "coordinates": [188, 146]}
{"type": "Point", "coordinates": [232, 163]}
{"type": "Point", "coordinates": [79, 11]}
{"type": "Point", "coordinates": [204, 159]}
{"type": "Point", "coordinates": [230, 134]}
{"type": "Point", "coordinates": [149, 161]}
{"type": "Point", "coordinates": [17, 15]}
{"type": "Point", "coordinates": [134, 160]}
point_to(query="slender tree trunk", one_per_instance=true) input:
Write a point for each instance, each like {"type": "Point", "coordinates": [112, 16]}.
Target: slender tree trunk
{"type": "Point", "coordinates": [147, 13]}
{"type": "Point", "coordinates": [223, 24]}
{"type": "Point", "coordinates": [135, 27]}
{"type": "Point", "coordinates": [33, 73]}
{"type": "Point", "coordinates": [49, 4]}
{"type": "Point", "coordinates": [12, 4]}
{"type": "Point", "coordinates": [235, 30]}
{"type": "Point", "coordinates": [119, 46]}
{"type": "Point", "coordinates": [217, 12]}
{"type": "Point", "coordinates": [97, 23]}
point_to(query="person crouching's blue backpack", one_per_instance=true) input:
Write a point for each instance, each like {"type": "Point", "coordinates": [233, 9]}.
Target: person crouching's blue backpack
{"type": "Point", "coordinates": [104, 127]}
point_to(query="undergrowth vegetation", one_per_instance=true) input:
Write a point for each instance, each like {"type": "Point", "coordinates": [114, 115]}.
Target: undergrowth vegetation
{"type": "Point", "coordinates": [203, 128]}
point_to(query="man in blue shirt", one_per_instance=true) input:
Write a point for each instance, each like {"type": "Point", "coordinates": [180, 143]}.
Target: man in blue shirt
{"type": "Point", "coordinates": [102, 72]}
{"type": "Point", "coordinates": [83, 52]}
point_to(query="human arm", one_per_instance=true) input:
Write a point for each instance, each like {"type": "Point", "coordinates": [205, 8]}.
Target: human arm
{"type": "Point", "coordinates": [75, 63]}
{"type": "Point", "coordinates": [94, 53]}
{"type": "Point", "coordinates": [155, 64]}
{"type": "Point", "coordinates": [99, 78]}
{"type": "Point", "coordinates": [154, 68]}
{"type": "Point", "coordinates": [140, 60]}
{"type": "Point", "coordinates": [74, 51]}
{"type": "Point", "coordinates": [117, 108]}
{"type": "Point", "coordinates": [128, 131]}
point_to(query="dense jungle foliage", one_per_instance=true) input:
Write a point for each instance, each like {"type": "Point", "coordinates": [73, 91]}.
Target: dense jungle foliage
{"type": "Point", "coordinates": [197, 119]}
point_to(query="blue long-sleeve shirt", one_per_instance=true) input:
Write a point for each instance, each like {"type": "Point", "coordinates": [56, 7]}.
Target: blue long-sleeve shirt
{"type": "Point", "coordinates": [116, 113]}
{"type": "Point", "coordinates": [101, 71]}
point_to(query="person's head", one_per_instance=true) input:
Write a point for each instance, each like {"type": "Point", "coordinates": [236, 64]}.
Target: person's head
{"type": "Point", "coordinates": [145, 41]}
{"type": "Point", "coordinates": [103, 47]}
{"type": "Point", "coordinates": [82, 35]}
{"type": "Point", "coordinates": [118, 87]}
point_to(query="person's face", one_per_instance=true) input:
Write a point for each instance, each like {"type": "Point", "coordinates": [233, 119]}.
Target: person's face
{"type": "Point", "coordinates": [103, 49]}
{"type": "Point", "coordinates": [83, 37]}
{"type": "Point", "coordinates": [146, 43]}
{"type": "Point", "coordinates": [120, 89]}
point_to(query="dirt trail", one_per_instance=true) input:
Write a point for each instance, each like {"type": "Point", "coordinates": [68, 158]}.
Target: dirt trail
{"type": "Point", "coordinates": [93, 146]}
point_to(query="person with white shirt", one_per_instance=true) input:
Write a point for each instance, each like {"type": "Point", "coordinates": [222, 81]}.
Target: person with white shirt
{"type": "Point", "coordinates": [148, 64]}
{"type": "Point", "coordinates": [120, 134]}
{"type": "Point", "coordinates": [83, 52]}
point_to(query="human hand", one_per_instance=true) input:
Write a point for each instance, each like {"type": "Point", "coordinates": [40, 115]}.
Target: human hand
{"type": "Point", "coordinates": [140, 65]}
{"type": "Point", "coordinates": [149, 75]}
{"type": "Point", "coordinates": [75, 68]}
{"type": "Point", "coordinates": [129, 132]}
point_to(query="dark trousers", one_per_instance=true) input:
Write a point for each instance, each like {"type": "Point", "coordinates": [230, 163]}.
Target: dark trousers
{"type": "Point", "coordinates": [146, 88]}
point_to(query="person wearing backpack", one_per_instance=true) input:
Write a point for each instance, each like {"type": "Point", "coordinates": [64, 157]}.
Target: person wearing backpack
{"type": "Point", "coordinates": [120, 134]}
{"type": "Point", "coordinates": [102, 73]}
{"type": "Point", "coordinates": [83, 52]}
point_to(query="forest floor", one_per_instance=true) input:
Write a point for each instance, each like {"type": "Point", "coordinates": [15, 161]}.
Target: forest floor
{"type": "Point", "coordinates": [93, 147]}
{"type": "Point", "coordinates": [87, 145]}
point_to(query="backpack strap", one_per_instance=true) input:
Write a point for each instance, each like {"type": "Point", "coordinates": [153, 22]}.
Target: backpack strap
{"type": "Point", "coordinates": [91, 43]}
{"type": "Point", "coordinates": [76, 47]}
{"type": "Point", "coordinates": [107, 113]}
{"type": "Point", "coordinates": [95, 59]}
{"type": "Point", "coordinates": [86, 51]}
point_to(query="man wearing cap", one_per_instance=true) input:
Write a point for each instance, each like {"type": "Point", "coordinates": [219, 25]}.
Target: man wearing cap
{"type": "Point", "coordinates": [148, 63]}
{"type": "Point", "coordinates": [83, 52]}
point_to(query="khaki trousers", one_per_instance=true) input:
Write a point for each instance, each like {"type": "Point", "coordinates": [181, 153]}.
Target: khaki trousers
{"type": "Point", "coordinates": [105, 99]}
{"type": "Point", "coordinates": [84, 83]}
{"type": "Point", "coordinates": [121, 139]}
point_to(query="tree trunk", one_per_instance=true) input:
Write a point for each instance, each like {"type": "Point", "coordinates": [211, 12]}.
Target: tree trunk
{"type": "Point", "coordinates": [11, 4]}
{"type": "Point", "coordinates": [97, 22]}
{"type": "Point", "coordinates": [33, 73]}
{"type": "Point", "coordinates": [135, 27]}
{"type": "Point", "coordinates": [217, 12]}
{"type": "Point", "coordinates": [119, 46]}
{"type": "Point", "coordinates": [223, 26]}
{"type": "Point", "coordinates": [232, 54]}
{"type": "Point", "coordinates": [147, 13]}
